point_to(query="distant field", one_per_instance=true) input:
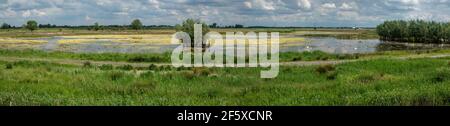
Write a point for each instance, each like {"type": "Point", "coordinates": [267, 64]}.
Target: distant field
{"type": "Point", "coordinates": [340, 33]}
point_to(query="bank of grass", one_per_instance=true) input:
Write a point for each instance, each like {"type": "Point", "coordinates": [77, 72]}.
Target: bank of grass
{"type": "Point", "coordinates": [315, 56]}
{"type": "Point", "coordinates": [157, 57]}
{"type": "Point", "coordinates": [341, 34]}
{"type": "Point", "coordinates": [147, 57]}
{"type": "Point", "coordinates": [165, 57]}
{"type": "Point", "coordinates": [374, 82]}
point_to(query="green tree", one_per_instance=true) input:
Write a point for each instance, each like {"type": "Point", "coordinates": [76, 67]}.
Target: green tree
{"type": "Point", "coordinates": [31, 25]}
{"type": "Point", "coordinates": [214, 25]}
{"type": "Point", "coordinates": [136, 24]}
{"type": "Point", "coordinates": [414, 31]}
{"type": "Point", "coordinates": [447, 33]}
{"type": "Point", "coordinates": [188, 27]}
{"type": "Point", "coordinates": [96, 26]}
{"type": "Point", "coordinates": [5, 26]}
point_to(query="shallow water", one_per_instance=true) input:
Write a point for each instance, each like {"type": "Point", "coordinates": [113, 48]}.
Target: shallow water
{"type": "Point", "coordinates": [326, 44]}
{"type": "Point", "coordinates": [333, 45]}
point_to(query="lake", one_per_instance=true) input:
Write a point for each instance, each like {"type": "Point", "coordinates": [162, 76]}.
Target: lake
{"type": "Point", "coordinates": [326, 44]}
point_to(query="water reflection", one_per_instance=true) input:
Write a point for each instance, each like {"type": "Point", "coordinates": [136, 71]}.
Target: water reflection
{"type": "Point", "coordinates": [389, 46]}
{"type": "Point", "coordinates": [326, 44]}
{"type": "Point", "coordinates": [333, 45]}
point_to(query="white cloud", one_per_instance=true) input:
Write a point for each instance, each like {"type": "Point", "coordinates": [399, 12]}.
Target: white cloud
{"type": "Point", "coordinates": [8, 13]}
{"type": "Point", "coordinates": [304, 4]}
{"type": "Point", "coordinates": [410, 2]}
{"type": "Point", "coordinates": [26, 14]}
{"type": "Point", "coordinates": [329, 5]}
{"type": "Point", "coordinates": [265, 5]}
{"type": "Point", "coordinates": [248, 4]}
{"type": "Point", "coordinates": [154, 3]}
{"type": "Point", "coordinates": [349, 6]}
{"type": "Point", "coordinates": [247, 12]}
{"type": "Point", "coordinates": [87, 18]}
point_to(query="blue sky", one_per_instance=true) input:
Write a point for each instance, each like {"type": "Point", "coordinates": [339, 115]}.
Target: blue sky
{"type": "Point", "coordinates": [224, 12]}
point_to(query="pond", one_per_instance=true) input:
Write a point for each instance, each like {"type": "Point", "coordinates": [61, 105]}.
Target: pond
{"type": "Point", "coordinates": [346, 46]}
{"type": "Point", "coordinates": [326, 44]}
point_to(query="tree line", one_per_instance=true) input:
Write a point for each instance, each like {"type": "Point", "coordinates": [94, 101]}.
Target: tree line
{"type": "Point", "coordinates": [135, 25]}
{"type": "Point", "coordinates": [417, 31]}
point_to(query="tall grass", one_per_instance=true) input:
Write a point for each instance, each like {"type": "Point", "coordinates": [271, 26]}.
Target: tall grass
{"type": "Point", "coordinates": [142, 57]}
{"type": "Point", "coordinates": [373, 82]}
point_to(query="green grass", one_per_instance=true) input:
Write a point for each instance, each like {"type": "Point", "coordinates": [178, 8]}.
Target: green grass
{"type": "Point", "coordinates": [315, 56]}
{"type": "Point", "coordinates": [374, 82]}
{"type": "Point", "coordinates": [158, 58]}
{"type": "Point", "coordinates": [153, 57]}
{"type": "Point", "coordinates": [165, 57]}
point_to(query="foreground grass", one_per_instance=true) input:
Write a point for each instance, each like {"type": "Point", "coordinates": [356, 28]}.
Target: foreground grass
{"type": "Point", "coordinates": [374, 82]}
{"type": "Point", "coordinates": [153, 57]}
{"type": "Point", "coordinates": [165, 57]}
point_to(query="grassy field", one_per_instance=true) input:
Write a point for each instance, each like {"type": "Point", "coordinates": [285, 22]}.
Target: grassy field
{"type": "Point", "coordinates": [374, 82]}
{"type": "Point", "coordinates": [165, 57]}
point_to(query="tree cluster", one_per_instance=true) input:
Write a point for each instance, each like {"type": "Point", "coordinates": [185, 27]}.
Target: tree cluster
{"type": "Point", "coordinates": [417, 31]}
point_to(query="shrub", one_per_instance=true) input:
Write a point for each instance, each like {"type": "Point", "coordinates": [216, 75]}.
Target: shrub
{"type": "Point", "coordinates": [325, 68]}
{"type": "Point", "coordinates": [87, 64]}
{"type": "Point", "coordinates": [143, 86]}
{"type": "Point", "coordinates": [188, 74]}
{"type": "Point", "coordinates": [114, 76]}
{"type": "Point", "coordinates": [440, 77]}
{"type": "Point", "coordinates": [152, 67]}
{"type": "Point", "coordinates": [332, 75]}
{"type": "Point", "coordinates": [180, 68]}
{"type": "Point", "coordinates": [367, 78]}
{"type": "Point", "coordinates": [147, 59]}
{"type": "Point", "coordinates": [9, 66]}
{"type": "Point", "coordinates": [126, 67]}
{"type": "Point", "coordinates": [202, 71]}
{"type": "Point", "coordinates": [106, 67]}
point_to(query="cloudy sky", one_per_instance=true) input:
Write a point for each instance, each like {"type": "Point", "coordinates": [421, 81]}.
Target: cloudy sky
{"type": "Point", "coordinates": [224, 12]}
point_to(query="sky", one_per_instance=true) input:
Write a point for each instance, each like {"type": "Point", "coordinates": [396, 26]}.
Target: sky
{"type": "Point", "coordinates": [300, 13]}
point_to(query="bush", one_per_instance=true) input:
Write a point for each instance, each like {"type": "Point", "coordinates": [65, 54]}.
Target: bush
{"type": "Point", "coordinates": [143, 86]}
{"type": "Point", "coordinates": [202, 71]}
{"type": "Point", "coordinates": [440, 77]}
{"type": "Point", "coordinates": [180, 68]}
{"type": "Point", "coordinates": [188, 74]}
{"type": "Point", "coordinates": [106, 67]}
{"type": "Point", "coordinates": [152, 67]}
{"type": "Point", "coordinates": [367, 78]}
{"type": "Point", "coordinates": [155, 59]}
{"type": "Point", "coordinates": [325, 68]}
{"type": "Point", "coordinates": [87, 64]}
{"type": "Point", "coordinates": [9, 66]}
{"type": "Point", "coordinates": [114, 76]}
{"type": "Point", "coordinates": [332, 75]}
{"type": "Point", "coordinates": [126, 67]}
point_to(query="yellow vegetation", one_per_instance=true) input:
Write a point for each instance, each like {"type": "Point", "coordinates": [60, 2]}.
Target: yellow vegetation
{"type": "Point", "coordinates": [12, 40]}
{"type": "Point", "coordinates": [154, 39]}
